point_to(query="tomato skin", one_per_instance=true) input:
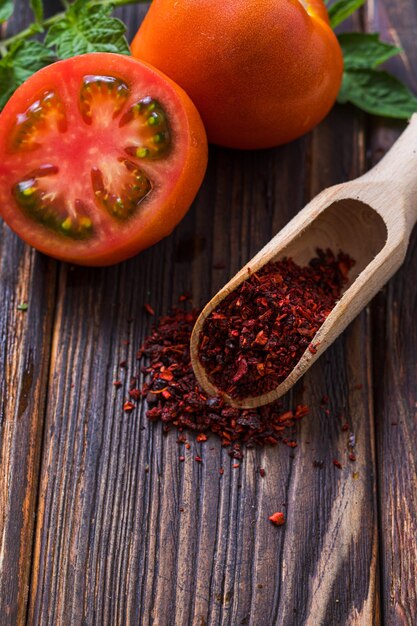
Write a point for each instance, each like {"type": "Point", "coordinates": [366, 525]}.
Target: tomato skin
{"type": "Point", "coordinates": [185, 168]}
{"type": "Point", "coordinates": [261, 72]}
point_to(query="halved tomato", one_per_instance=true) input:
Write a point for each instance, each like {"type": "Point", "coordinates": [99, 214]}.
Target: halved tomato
{"type": "Point", "coordinates": [100, 157]}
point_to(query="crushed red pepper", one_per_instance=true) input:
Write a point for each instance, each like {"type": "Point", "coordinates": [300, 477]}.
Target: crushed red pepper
{"type": "Point", "coordinates": [252, 341]}
{"type": "Point", "coordinates": [277, 518]}
{"type": "Point", "coordinates": [149, 309]}
{"type": "Point", "coordinates": [175, 398]}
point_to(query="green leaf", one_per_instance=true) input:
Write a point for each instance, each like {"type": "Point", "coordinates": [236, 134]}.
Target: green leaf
{"type": "Point", "coordinates": [365, 50]}
{"type": "Point", "coordinates": [342, 9]}
{"type": "Point", "coordinates": [6, 10]}
{"type": "Point", "coordinates": [37, 8]}
{"type": "Point", "coordinates": [378, 93]}
{"type": "Point", "coordinates": [87, 28]}
{"type": "Point", "coordinates": [23, 59]}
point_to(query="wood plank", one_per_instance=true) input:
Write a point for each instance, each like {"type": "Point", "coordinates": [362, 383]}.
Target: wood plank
{"type": "Point", "coordinates": [24, 354]}
{"type": "Point", "coordinates": [112, 544]}
{"type": "Point", "coordinates": [329, 568]}
{"type": "Point", "coordinates": [25, 277]}
{"type": "Point", "coordinates": [395, 349]}
{"type": "Point", "coordinates": [111, 533]}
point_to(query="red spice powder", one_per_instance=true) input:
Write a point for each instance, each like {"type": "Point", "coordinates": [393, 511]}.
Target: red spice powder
{"type": "Point", "coordinates": [175, 398]}
{"type": "Point", "coordinates": [252, 341]}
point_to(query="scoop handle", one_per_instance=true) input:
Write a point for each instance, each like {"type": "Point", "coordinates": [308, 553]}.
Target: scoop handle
{"type": "Point", "coordinates": [396, 172]}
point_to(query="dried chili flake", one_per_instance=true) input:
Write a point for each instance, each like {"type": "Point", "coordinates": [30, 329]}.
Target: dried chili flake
{"type": "Point", "coordinates": [198, 459]}
{"type": "Point", "coordinates": [117, 384]}
{"type": "Point", "coordinates": [337, 464]}
{"type": "Point", "coordinates": [128, 406]}
{"type": "Point", "coordinates": [262, 472]}
{"type": "Point", "coordinates": [254, 338]}
{"type": "Point", "coordinates": [175, 398]}
{"type": "Point", "coordinates": [221, 471]}
{"type": "Point", "coordinates": [277, 518]}
{"type": "Point", "coordinates": [182, 458]}
{"type": "Point", "coordinates": [290, 444]}
{"type": "Point", "coordinates": [135, 394]}
{"type": "Point", "coordinates": [352, 457]}
{"type": "Point", "coordinates": [149, 309]}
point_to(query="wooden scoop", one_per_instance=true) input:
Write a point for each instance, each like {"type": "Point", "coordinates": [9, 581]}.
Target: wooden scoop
{"type": "Point", "coordinates": [369, 218]}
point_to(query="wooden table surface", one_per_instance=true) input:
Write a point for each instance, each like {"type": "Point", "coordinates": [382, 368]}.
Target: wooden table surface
{"type": "Point", "coordinates": [99, 521]}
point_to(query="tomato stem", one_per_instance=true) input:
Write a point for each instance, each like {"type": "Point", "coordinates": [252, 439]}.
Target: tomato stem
{"type": "Point", "coordinates": [44, 24]}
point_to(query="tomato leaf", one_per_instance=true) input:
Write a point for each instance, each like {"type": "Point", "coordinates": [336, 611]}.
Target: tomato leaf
{"type": "Point", "coordinates": [342, 9]}
{"type": "Point", "coordinates": [6, 10]}
{"type": "Point", "coordinates": [87, 27]}
{"type": "Point", "coordinates": [378, 93]}
{"type": "Point", "coordinates": [365, 50]}
{"type": "Point", "coordinates": [22, 60]}
{"type": "Point", "coordinates": [37, 8]}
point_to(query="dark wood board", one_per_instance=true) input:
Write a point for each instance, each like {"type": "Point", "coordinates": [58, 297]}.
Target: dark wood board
{"type": "Point", "coordinates": [395, 369]}
{"type": "Point", "coordinates": [100, 524]}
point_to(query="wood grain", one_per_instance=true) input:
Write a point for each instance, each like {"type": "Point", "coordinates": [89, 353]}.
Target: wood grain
{"type": "Point", "coordinates": [100, 524]}
{"type": "Point", "coordinates": [24, 353]}
{"type": "Point", "coordinates": [25, 277]}
{"type": "Point", "coordinates": [127, 534]}
{"type": "Point", "coordinates": [395, 350]}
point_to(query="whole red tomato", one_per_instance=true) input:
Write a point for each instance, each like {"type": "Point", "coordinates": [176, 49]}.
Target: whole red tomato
{"type": "Point", "coordinates": [261, 72]}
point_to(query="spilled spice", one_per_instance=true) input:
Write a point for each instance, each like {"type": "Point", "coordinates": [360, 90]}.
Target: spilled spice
{"type": "Point", "coordinates": [149, 309]}
{"type": "Point", "coordinates": [252, 341]}
{"type": "Point", "coordinates": [277, 518]}
{"type": "Point", "coordinates": [175, 398]}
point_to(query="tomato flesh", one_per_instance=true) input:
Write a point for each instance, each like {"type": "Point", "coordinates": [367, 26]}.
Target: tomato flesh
{"type": "Point", "coordinates": [36, 196]}
{"type": "Point", "coordinates": [42, 116]}
{"type": "Point", "coordinates": [100, 159]}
